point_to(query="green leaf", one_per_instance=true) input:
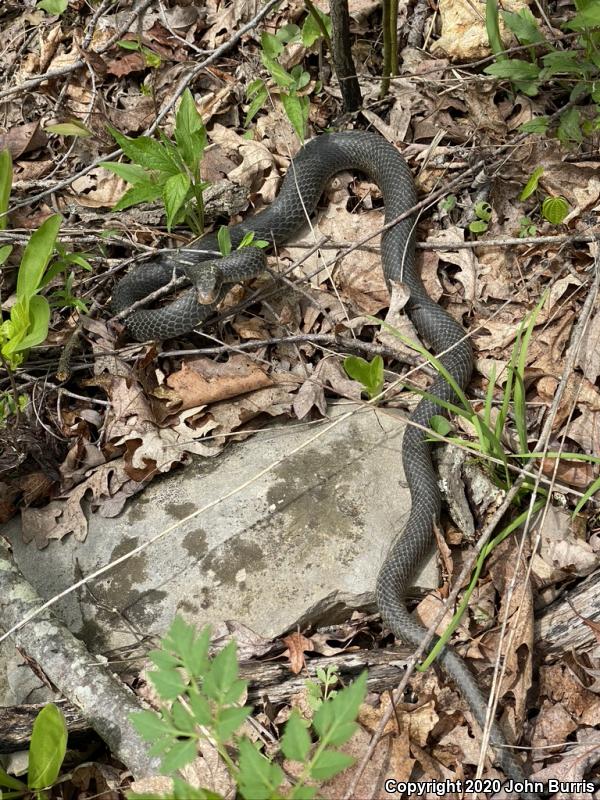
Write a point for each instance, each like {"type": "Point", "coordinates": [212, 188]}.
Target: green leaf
{"type": "Point", "coordinates": [532, 183]}
{"type": "Point", "coordinates": [295, 742]}
{"type": "Point", "coordinates": [271, 46]}
{"type": "Point", "coordinates": [151, 58]}
{"type": "Point", "coordinates": [229, 720]}
{"type": "Point", "coordinates": [36, 257]}
{"type": "Point", "coordinates": [143, 193]}
{"type": "Point", "coordinates": [369, 373]}
{"type": "Point", "coordinates": [335, 720]}
{"type": "Point", "coordinates": [128, 44]}
{"type": "Point", "coordinates": [535, 125]}
{"type": "Point", "coordinates": [196, 660]}
{"type": "Point", "coordinates": [168, 683]}
{"type": "Point", "coordinates": [311, 30]}
{"type": "Point", "coordinates": [589, 492]}
{"type": "Point", "coordinates": [149, 725]}
{"type": "Point", "coordinates": [296, 109]}
{"type": "Point", "coordinates": [588, 17]}
{"type": "Point", "coordinates": [39, 320]}
{"type": "Point", "coordinates": [256, 104]}
{"type": "Point", "coordinates": [478, 226]}
{"type": "Point", "coordinates": [564, 62]}
{"type": "Point", "coordinates": [287, 33]}
{"type": "Point", "coordinates": [492, 25]}
{"type": "Point", "coordinates": [179, 639]}
{"type": "Point", "coordinates": [329, 763]}
{"type": "Point", "coordinates": [55, 7]}
{"type": "Point", "coordinates": [569, 127]}
{"type": "Point", "coordinates": [6, 173]}
{"type": "Point", "coordinates": [182, 753]}
{"type": "Point", "coordinates": [146, 152]}
{"type": "Point", "coordinates": [72, 128]}
{"type": "Point", "coordinates": [303, 792]}
{"type": "Point", "coordinates": [253, 87]}
{"type": "Point", "coordinates": [524, 26]}
{"type": "Point", "coordinates": [47, 747]}
{"type": "Point", "coordinates": [259, 779]}
{"type": "Point", "coordinates": [514, 70]}
{"type": "Point", "coordinates": [224, 240]}
{"type": "Point", "coordinates": [278, 73]}
{"type": "Point", "coordinates": [5, 251]}
{"type": "Point", "coordinates": [132, 173]}
{"type": "Point", "coordinates": [200, 709]}
{"type": "Point", "coordinates": [483, 211]}
{"type": "Point", "coordinates": [174, 195]}
{"type": "Point", "coordinates": [190, 133]}
{"type": "Point", "coordinates": [162, 659]}
{"type": "Point", "coordinates": [223, 673]}
{"type": "Point", "coordinates": [9, 782]}
{"type": "Point", "coordinates": [555, 209]}
{"type": "Point", "coordinates": [182, 718]}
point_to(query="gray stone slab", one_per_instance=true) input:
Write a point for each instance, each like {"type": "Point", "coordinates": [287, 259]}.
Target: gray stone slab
{"type": "Point", "coordinates": [301, 543]}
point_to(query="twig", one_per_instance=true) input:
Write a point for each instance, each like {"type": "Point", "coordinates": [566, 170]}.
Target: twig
{"type": "Point", "coordinates": [309, 338]}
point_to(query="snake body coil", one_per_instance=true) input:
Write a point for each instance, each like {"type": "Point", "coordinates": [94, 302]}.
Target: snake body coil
{"type": "Point", "coordinates": [311, 169]}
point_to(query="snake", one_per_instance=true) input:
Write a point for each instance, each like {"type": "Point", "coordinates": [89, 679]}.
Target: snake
{"type": "Point", "coordinates": [316, 163]}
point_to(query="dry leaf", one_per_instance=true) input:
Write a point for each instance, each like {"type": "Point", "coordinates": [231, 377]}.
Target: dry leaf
{"type": "Point", "coordinates": [202, 381]}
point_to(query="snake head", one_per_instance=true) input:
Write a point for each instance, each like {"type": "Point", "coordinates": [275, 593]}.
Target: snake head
{"type": "Point", "coordinates": [208, 280]}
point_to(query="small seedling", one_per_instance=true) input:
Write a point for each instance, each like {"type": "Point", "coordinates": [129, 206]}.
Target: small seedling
{"type": "Point", "coordinates": [151, 59]}
{"type": "Point", "coordinates": [483, 212]}
{"type": "Point", "coordinates": [47, 750]}
{"type": "Point", "coordinates": [368, 373]}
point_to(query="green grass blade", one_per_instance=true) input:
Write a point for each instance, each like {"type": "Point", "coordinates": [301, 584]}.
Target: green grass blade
{"type": "Point", "coordinates": [6, 173]}
{"type": "Point", "coordinates": [455, 621]}
{"type": "Point", "coordinates": [589, 492]}
{"type": "Point", "coordinates": [492, 26]}
{"type": "Point", "coordinates": [435, 362]}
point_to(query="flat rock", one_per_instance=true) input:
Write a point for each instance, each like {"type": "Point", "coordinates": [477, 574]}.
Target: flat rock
{"type": "Point", "coordinates": [301, 541]}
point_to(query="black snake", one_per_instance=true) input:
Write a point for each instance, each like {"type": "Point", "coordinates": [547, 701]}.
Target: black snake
{"type": "Point", "coordinates": [316, 163]}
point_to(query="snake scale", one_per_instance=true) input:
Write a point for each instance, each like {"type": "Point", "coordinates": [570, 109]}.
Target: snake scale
{"type": "Point", "coordinates": [316, 163]}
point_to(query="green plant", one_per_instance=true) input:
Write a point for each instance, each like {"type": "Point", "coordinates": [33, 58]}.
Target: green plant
{"type": "Point", "coordinates": [151, 58]}
{"type": "Point", "coordinates": [65, 262]}
{"type": "Point", "coordinates": [290, 84]}
{"type": "Point", "coordinates": [447, 204]}
{"type": "Point", "coordinates": [200, 699]}
{"type": "Point", "coordinates": [322, 689]}
{"type": "Point", "coordinates": [553, 209]}
{"type": "Point", "coordinates": [30, 314]}
{"type": "Point", "coordinates": [526, 227]}
{"type": "Point", "coordinates": [369, 373]}
{"type": "Point", "coordinates": [167, 169]}
{"type": "Point", "coordinates": [483, 212]}
{"type": "Point", "coordinates": [46, 754]}
{"type": "Point", "coordinates": [5, 187]}
{"type": "Point", "coordinates": [54, 7]}
{"type": "Point", "coordinates": [575, 72]}
{"type": "Point", "coordinates": [224, 240]}
{"type": "Point", "coordinates": [11, 406]}
{"type": "Point", "coordinates": [512, 409]}
{"type": "Point", "coordinates": [72, 127]}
